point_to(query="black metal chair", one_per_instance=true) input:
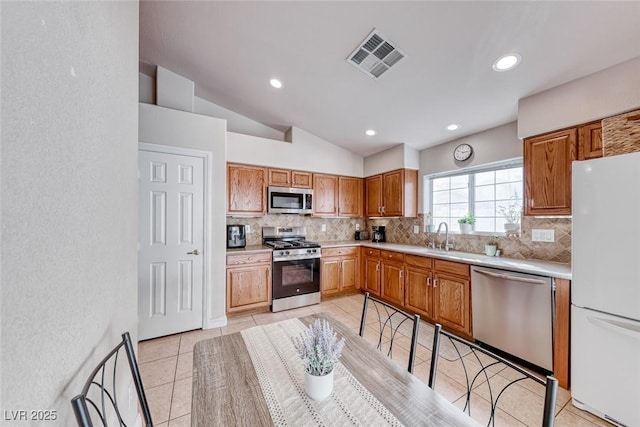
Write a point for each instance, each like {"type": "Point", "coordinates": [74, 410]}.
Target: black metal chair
{"type": "Point", "coordinates": [102, 397]}
{"type": "Point", "coordinates": [392, 320]}
{"type": "Point", "coordinates": [495, 392]}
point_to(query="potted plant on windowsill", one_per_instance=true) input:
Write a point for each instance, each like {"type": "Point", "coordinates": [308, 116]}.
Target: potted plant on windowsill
{"type": "Point", "coordinates": [511, 213]}
{"type": "Point", "coordinates": [491, 248]}
{"type": "Point", "coordinates": [466, 223]}
{"type": "Point", "coordinates": [319, 348]}
{"type": "Point", "coordinates": [430, 227]}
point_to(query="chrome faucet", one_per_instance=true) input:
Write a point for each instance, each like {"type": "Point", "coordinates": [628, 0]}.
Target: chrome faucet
{"type": "Point", "coordinates": [447, 245]}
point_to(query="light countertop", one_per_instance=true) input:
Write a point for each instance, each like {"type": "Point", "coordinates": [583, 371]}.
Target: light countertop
{"type": "Point", "coordinates": [542, 268]}
{"type": "Point", "coordinates": [249, 249]}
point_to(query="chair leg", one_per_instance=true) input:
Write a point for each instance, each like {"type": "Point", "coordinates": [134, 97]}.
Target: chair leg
{"type": "Point", "coordinates": [434, 356]}
{"type": "Point", "coordinates": [81, 411]}
{"type": "Point", "coordinates": [550, 402]}
{"type": "Point", "coordinates": [414, 342]}
{"type": "Point", "coordinates": [137, 379]}
{"type": "Point", "coordinates": [364, 313]}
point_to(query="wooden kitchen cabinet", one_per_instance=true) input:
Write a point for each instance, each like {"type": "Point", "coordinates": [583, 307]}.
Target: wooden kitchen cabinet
{"type": "Point", "coordinates": [590, 141]}
{"type": "Point", "coordinates": [350, 194]}
{"type": "Point", "coordinates": [339, 270]}
{"type": "Point", "coordinates": [547, 172]}
{"type": "Point", "coordinates": [418, 296]}
{"type": "Point", "coordinates": [290, 178]}
{"type": "Point", "coordinates": [248, 281]}
{"type": "Point", "coordinates": [452, 295]}
{"type": "Point", "coordinates": [371, 271]}
{"type": "Point", "coordinates": [246, 189]}
{"type": "Point", "coordinates": [392, 277]}
{"type": "Point", "coordinates": [393, 193]}
{"type": "Point", "coordinates": [325, 195]}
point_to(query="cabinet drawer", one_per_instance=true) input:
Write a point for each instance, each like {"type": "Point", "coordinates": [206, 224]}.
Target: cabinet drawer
{"type": "Point", "coordinates": [351, 250]}
{"type": "Point", "coordinates": [418, 261]}
{"type": "Point", "coordinates": [394, 256]}
{"type": "Point", "coordinates": [372, 252]}
{"type": "Point", "coordinates": [452, 267]}
{"type": "Point", "coordinates": [243, 259]}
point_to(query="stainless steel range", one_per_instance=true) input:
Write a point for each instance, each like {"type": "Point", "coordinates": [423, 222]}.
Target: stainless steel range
{"type": "Point", "coordinates": [296, 267]}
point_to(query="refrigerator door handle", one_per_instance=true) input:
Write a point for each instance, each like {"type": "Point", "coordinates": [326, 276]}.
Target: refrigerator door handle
{"type": "Point", "coordinates": [615, 326]}
{"type": "Point", "coordinates": [510, 277]}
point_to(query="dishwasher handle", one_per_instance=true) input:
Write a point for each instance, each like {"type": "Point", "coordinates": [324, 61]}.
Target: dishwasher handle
{"type": "Point", "coordinates": [508, 276]}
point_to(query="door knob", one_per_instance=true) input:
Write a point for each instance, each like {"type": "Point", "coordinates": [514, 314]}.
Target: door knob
{"type": "Point", "coordinates": [194, 252]}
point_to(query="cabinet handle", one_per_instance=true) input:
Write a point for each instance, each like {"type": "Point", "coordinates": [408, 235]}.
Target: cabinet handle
{"type": "Point", "coordinates": [401, 274]}
{"type": "Point", "coordinates": [435, 283]}
{"type": "Point", "coordinates": [383, 209]}
{"type": "Point", "coordinates": [377, 267]}
{"type": "Point", "coordinates": [428, 281]}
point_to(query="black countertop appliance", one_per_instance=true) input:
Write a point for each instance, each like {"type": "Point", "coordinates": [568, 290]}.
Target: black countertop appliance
{"type": "Point", "coordinates": [378, 233]}
{"type": "Point", "coordinates": [236, 237]}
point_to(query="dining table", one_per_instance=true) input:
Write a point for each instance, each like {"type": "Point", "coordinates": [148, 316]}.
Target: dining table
{"type": "Point", "coordinates": [254, 378]}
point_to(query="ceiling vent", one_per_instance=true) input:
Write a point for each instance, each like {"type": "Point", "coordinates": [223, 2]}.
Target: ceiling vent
{"type": "Point", "coordinates": [375, 55]}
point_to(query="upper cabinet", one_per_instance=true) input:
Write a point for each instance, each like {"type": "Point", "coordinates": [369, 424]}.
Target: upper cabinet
{"type": "Point", "coordinates": [393, 193]}
{"type": "Point", "coordinates": [290, 178]}
{"type": "Point", "coordinates": [590, 141]}
{"type": "Point", "coordinates": [337, 196]}
{"type": "Point", "coordinates": [246, 189]}
{"type": "Point", "coordinates": [547, 172]}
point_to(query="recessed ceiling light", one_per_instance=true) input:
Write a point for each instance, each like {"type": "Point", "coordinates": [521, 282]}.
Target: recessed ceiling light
{"type": "Point", "coordinates": [276, 83]}
{"type": "Point", "coordinates": [453, 126]}
{"type": "Point", "coordinates": [507, 62]}
{"type": "Point", "coordinates": [370, 132]}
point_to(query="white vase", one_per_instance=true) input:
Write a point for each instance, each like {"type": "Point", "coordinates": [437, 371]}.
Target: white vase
{"type": "Point", "coordinates": [465, 228]}
{"type": "Point", "coordinates": [490, 250]}
{"type": "Point", "coordinates": [318, 387]}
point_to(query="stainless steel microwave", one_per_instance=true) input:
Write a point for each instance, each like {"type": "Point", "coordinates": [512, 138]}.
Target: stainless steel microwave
{"type": "Point", "coordinates": [290, 200]}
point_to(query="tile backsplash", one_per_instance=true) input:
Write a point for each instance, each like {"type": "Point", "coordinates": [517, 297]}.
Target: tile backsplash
{"type": "Point", "coordinates": [400, 230]}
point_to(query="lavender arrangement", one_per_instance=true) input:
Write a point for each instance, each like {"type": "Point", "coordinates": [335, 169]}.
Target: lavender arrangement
{"type": "Point", "coordinates": [319, 348]}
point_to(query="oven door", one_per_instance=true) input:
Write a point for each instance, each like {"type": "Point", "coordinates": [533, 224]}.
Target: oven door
{"type": "Point", "coordinates": [296, 277]}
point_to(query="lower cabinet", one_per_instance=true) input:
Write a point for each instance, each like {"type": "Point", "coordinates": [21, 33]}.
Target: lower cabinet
{"type": "Point", "coordinates": [339, 270]}
{"type": "Point", "coordinates": [437, 290]}
{"type": "Point", "coordinates": [248, 281]}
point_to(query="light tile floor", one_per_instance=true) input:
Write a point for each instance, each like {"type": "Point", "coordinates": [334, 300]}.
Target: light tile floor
{"type": "Point", "coordinates": [166, 366]}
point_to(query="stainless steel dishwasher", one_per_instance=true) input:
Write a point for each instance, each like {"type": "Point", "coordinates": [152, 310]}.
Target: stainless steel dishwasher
{"type": "Point", "coordinates": [514, 312]}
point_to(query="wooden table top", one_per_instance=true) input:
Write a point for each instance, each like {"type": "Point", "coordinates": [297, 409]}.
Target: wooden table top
{"type": "Point", "coordinates": [226, 390]}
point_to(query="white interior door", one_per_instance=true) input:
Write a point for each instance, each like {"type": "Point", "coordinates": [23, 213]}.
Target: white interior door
{"type": "Point", "coordinates": [171, 237]}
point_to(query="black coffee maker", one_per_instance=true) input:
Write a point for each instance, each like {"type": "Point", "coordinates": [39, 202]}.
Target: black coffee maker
{"type": "Point", "coordinates": [377, 233]}
{"type": "Point", "coordinates": [236, 237]}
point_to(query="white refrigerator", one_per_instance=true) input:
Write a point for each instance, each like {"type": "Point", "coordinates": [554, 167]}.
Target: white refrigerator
{"type": "Point", "coordinates": [605, 288]}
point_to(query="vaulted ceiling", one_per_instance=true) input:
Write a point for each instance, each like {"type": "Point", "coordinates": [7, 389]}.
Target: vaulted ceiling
{"type": "Point", "coordinates": [231, 49]}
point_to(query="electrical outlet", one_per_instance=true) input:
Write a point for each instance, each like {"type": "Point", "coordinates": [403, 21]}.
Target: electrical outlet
{"type": "Point", "coordinates": [538, 235]}
{"type": "Point", "coordinates": [247, 229]}
{"type": "Point", "coordinates": [357, 227]}
{"type": "Point", "coordinates": [323, 227]}
{"type": "Point", "coordinates": [416, 229]}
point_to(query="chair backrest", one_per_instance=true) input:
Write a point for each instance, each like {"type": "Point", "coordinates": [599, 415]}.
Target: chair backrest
{"type": "Point", "coordinates": [488, 363]}
{"type": "Point", "coordinates": [102, 396]}
{"type": "Point", "coordinates": [393, 324]}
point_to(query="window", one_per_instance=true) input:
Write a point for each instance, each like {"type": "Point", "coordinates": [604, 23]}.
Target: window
{"type": "Point", "coordinates": [483, 192]}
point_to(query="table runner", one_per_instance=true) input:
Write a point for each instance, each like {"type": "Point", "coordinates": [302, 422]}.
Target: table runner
{"type": "Point", "coordinates": [281, 376]}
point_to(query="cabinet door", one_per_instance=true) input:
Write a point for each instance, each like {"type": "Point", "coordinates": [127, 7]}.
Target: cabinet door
{"type": "Point", "coordinates": [392, 188]}
{"type": "Point", "coordinates": [547, 173]}
{"type": "Point", "coordinates": [417, 292]}
{"type": "Point", "coordinates": [325, 194]}
{"type": "Point", "coordinates": [350, 197]}
{"type": "Point", "coordinates": [280, 177]}
{"type": "Point", "coordinates": [392, 279]}
{"type": "Point", "coordinates": [372, 276]}
{"type": "Point", "coordinates": [330, 276]}
{"type": "Point", "coordinates": [248, 287]}
{"type": "Point", "coordinates": [451, 302]}
{"type": "Point", "coordinates": [349, 273]}
{"type": "Point", "coordinates": [246, 189]}
{"type": "Point", "coordinates": [373, 197]}
{"type": "Point", "coordinates": [301, 179]}
{"type": "Point", "coordinates": [590, 141]}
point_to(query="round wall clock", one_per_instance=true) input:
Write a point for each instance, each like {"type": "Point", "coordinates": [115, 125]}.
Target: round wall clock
{"type": "Point", "coordinates": [462, 152]}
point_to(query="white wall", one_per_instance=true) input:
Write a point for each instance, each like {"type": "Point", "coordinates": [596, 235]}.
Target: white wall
{"type": "Point", "coordinates": [176, 128]}
{"type": "Point", "coordinates": [306, 152]}
{"type": "Point", "coordinates": [69, 196]}
{"type": "Point", "coordinates": [398, 157]}
{"type": "Point", "coordinates": [602, 94]}
{"type": "Point", "coordinates": [493, 145]}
